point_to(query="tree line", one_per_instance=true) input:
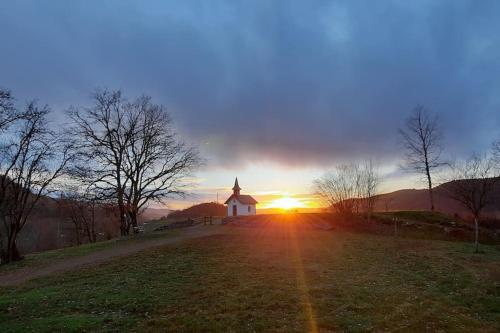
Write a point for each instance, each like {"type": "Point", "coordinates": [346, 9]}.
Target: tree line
{"type": "Point", "coordinates": [470, 182]}
{"type": "Point", "coordinates": [114, 153]}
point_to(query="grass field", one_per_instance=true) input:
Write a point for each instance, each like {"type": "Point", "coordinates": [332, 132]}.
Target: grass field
{"type": "Point", "coordinates": [277, 278]}
{"type": "Point", "coordinates": [42, 258]}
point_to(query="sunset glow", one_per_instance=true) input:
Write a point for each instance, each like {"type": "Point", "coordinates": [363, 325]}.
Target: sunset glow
{"type": "Point", "coordinates": [287, 203]}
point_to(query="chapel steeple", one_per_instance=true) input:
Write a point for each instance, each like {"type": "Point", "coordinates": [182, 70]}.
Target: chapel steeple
{"type": "Point", "coordinates": [236, 187]}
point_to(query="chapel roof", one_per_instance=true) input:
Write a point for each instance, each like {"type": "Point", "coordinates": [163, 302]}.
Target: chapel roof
{"type": "Point", "coordinates": [243, 198]}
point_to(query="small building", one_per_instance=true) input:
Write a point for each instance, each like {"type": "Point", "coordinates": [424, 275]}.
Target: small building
{"type": "Point", "coordinates": [240, 204]}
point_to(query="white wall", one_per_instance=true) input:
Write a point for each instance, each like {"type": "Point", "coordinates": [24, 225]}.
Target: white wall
{"type": "Point", "coordinates": [241, 208]}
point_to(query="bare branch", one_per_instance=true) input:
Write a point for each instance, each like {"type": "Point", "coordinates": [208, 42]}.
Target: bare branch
{"type": "Point", "coordinates": [129, 152]}
{"type": "Point", "coordinates": [421, 139]}
{"type": "Point", "coordinates": [472, 183]}
{"type": "Point", "coordinates": [32, 159]}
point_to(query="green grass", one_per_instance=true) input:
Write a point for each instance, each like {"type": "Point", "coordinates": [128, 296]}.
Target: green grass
{"type": "Point", "coordinates": [419, 216]}
{"type": "Point", "coordinates": [275, 280]}
{"type": "Point", "coordinates": [436, 225]}
{"type": "Point", "coordinates": [43, 258]}
{"type": "Point", "coordinates": [47, 257]}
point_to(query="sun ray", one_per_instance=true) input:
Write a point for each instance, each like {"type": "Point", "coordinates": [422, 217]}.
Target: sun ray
{"type": "Point", "coordinates": [301, 280]}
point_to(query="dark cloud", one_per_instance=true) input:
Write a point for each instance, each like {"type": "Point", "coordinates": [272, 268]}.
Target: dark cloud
{"type": "Point", "coordinates": [292, 82]}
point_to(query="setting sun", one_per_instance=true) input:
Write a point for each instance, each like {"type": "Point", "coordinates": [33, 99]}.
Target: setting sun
{"type": "Point", "coordinates": [287, 203]}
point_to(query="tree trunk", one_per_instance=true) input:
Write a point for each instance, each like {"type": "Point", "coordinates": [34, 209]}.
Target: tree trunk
{"type": "Point", "coordinates": [11, 253]}
{"type": "Point", "coordinates": [14, 252]}
{"type": "Point", "coordinates": [124, 227]}
{"type": "Point", "coordinates": [133, 222]}
{"type": "Point", "coordinates": [123, 222]}
{"type": "Point", "coordinates": [89, 233]}
{"type": "Point", "coordinates": [3, 252]}
{"type": "Point", "coordinates": [431, 194]}
{"type": "Point", "coordinates": [476, 234]}
{"type": "Point", "coordinates": [77, 234]}
{"type": "Point", "coordinates": [92, 226]}
{"type": "Point", "coordinates": [370, 209]}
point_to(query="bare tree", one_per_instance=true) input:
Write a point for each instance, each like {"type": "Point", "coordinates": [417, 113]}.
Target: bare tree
{"type": "Point", "coordinates": [8, 113]}
{"type": "Point", "coordinates": [370, 181]}
{"type": "Point", "coordinates": [157, 164]}
{"type": "Point", "coordinates": [69, 212]}
{"type": "Point", "coordinates": [100, 141]}
{"type": "Point", "coordinates": [349, 188]}
{"type": "Point", "coordinates": [340, 188]}
{"type": "Point", "coordinates": [471, 185]}
{"type": "Point", "coordinates": [129, 153]}
{"type": "Point", "coordinates": [495, 148]}
{"type": "Point", "coordinates": [80, 210]}
{"type": "Point", "coordinates": [31, 160]}
{"type": "Point", "coordinates": [422, 138]}
{"type": "Point", "coordinates": [387, 202]}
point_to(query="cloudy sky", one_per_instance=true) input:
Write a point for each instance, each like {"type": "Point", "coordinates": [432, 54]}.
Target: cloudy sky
{"type": "Point", "coordinates": [274, 92]}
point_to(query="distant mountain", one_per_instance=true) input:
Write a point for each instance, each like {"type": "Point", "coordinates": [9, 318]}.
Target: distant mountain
{"type": "Point", "coordinates": [203, 209]}
{"type": "Point", "coordinates": [154, 213]}
{"type": "Point", "coordinates": [412, 199]}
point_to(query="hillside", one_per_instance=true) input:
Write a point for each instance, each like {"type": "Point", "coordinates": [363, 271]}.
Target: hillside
{"type": "Point", "coordinates": [413, 199]}
{"type": "Point", "coordinates": [154, 213]}
{"type": "Point", "coordinates": [49, 226]}
{"type": "Point", "coordinates": [203, 209]}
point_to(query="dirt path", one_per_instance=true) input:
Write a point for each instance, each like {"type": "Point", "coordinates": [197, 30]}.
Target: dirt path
{"type": "Point", "coordinates": [24, 274]}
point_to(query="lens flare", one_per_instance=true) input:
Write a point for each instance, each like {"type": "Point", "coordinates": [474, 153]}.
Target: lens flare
{"type": "Point", "coordinates": [287, 203]}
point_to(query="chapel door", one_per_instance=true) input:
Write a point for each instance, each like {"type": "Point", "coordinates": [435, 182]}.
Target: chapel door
{"type": "Point", "coordinates": [235, 210]}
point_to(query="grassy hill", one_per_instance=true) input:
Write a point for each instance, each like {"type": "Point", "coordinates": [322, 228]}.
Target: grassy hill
{"type": "Point", "coordinates": [418, 199]}
{"type": "Point", "coordinates": [203, 209]}
{"type": "Point", "coordinates": [280, 277]}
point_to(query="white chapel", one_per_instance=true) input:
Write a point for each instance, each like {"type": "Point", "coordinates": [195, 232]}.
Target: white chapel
{"type": "Point", "coordinates": [240, 204]}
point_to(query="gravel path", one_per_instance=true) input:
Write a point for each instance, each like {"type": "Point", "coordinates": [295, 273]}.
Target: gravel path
{"type": "Point", "coordinates": [24, 274]}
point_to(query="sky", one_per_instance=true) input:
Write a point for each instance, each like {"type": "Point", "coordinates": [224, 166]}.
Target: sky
{"type": "Point", "coordinates": [274, 92]}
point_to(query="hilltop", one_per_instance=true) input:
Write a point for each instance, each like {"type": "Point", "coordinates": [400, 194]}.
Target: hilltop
{"type": "Point", "coordinates": [418, 199]}
{"type": "Point", "coordinates": [203, 209]}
